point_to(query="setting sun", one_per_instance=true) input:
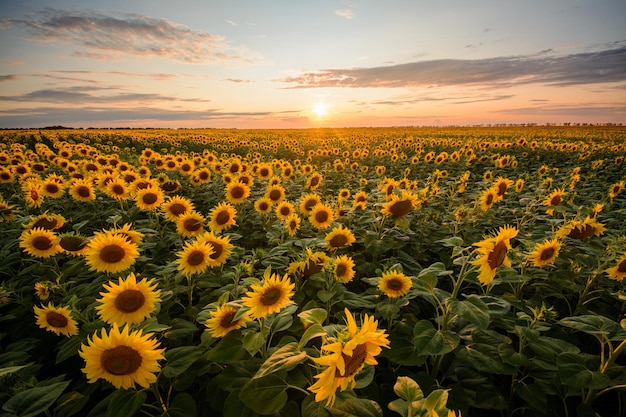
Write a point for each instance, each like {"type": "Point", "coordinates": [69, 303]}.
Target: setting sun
{"type": "Point", "coordinates": [320, 109]}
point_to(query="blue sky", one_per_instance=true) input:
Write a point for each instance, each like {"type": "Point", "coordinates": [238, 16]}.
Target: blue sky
{"type": "Point", "coordinates": [284, 64]}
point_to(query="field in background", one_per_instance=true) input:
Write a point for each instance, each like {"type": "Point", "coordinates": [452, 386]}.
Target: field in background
{"type": "Point", "coordinates": [491, 259]}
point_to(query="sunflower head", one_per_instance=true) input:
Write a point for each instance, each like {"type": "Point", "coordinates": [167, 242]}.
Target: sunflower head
{"type": "Point", "coordinates": [56, 319]}
{"type": "Point", "coordinates": [394, 284]}
{"type": "Point", "coordinates": [321, 216]}
{"type": "Point", "coordinates": [343, 268]}
{"type": "Point", "coordinates": [223, 320]}
{"type": "Point", "coordinates": [339, 237]}
{"type": "Point", "coordinates": [545, 253]}
{"type": "Point", "coordinates": [110, 252]}
{"type": "Point", "coordinates": [128, 301]}
{"type": "Point", "coordinates": [39, 242]}
{"type": "Point", "coordinates": [618, 272]}
{"type": "Point", "coordinates": [222, 217]}
{"type": "Point", "coordinates": [195, 258]}
{"type": "Point", "coordinates": [121, 357]}
{"type": "Point", "coordinates": [271, 296]}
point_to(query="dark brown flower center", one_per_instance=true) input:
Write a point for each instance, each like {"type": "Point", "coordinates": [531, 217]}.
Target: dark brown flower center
{"type": "Point", "coordinates": [177, 209]}
{"type": "Point", "coordinates": [502, 188]}
{"type": "Point", "coordinates": [264, 172]}
{"type": "Point", "coordinates": [237, 192]}
{"type": "Point", "coordinates": [227, 320]}
{"type": "Point", "coordinates": [312, 268]}
{"type": "Point", "coordinates": [489, 199]}
{"type": "Point", "coordinates": [112, 254]}
{"type": "Point", "coordinates": [222, 217]}
{"type": "Point", "coordinates": [129, 301]}
{"type": "Point", "coordinates": [42, 243]}
{"type": "Point", "coordinates": [55, 319]}
{"type": "Point", "coordinates": [309, 204]}
{"type": "Point", "coordinates": [72, 243]}
{"type": "Point", "coordinates": [293, 225]}
{"type": "Point", "coordinates": [149, 198]}
{"type": "Point", "coordinates": [497, 255]}
{"type": "Point", "coordinates": [83, 191]}
{"type": "Point", "coordinates": [315, 181]}
{"type": "Point", "coordinates": [285, 211]}
{"type": "Point", "coordinates": [546, 254]}
{"type": "Point", "coordinates": [394, 284]}
{"type": "Point", "coordinates": [341, 270]}
{"type": "Point", "coordinates": [621, 268]}
{"type": "Point", "coordinates": [46, 223]}
{"type": "Point", "coordinates": [203, 175]}
{"type": "Point", "coordinates": [271, 296]}
{"type": "Point", "coordinates": [275, 195]}
{"type": "Point", "coordinates": [583, 233]}
{"type": "Point", "coordinates": [353, 363]}
{"type": "Point", "coordinates": [192, 225]}
{"type": "Point", "coordinates": [195, 258]}
{"type": "Point", "coordinates": [52, 188]}
{"type": "Point", "coordinates": [321, 216]}
{"type": "Point", "coordinates": [263, 206]}
{"type": "Point", "coordinates": [217, 250]}
{"type": "Point", "coordinates": [556, 200]}
{"type": "Point", "coordinates": [338, 240]}
{"type": "Point", "coordinates": [117, 189]}
{"type": "Point", "coordinates": [401, 208]}
{"type": "Point", "coordinates": [120, 360]}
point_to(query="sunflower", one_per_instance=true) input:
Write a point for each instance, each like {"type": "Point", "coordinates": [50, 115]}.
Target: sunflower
{"type": "Point", "coordinates": [343, 268]}
{"type": "Point", "coordinates": [400, 205]}
{"type": "Point", "coordinates": [221, 247]}
{"type": "Point", "coordinates": [618, 272]}
{"type": "Point", "coordinates": [122, 357]}
{"type": "Point", "coordinates": [46, 221]}
{"type": "Point", "coordinates": [284, 209]}
{"type": "Point", "coordinates": [264, 171]}
{"type": "Point", "coordinates": [394, 284]}
{"type": "Point", "coordinates": [488, 198]}
{"type": "Point", "coordinates": [555, 198]}
{"type": "Point", "coordinates": [53, 188]}
{"type": "Point", "coordinates": [42, 289]}
{"type": "Point", "coordinates": [343, 194]}
{"type": "Point", "coordinates": [276, 193]}
{"type": "Point", "coordinates": [33, 193]}
{"type": "Point", "coordinates": [237, 192]}
{"type": "Point", "coordinates": [321, 216]}
{"type": "Point", "coordinates": [339, 237]}
{"type": "Point", "coordinates": [501, 185]}
{"type": "Point", "coordinates": [314, 181]}
{"type": "Point", "coordinates": [190, 224]}
{"type": "Point", "coordinates": [73, 244]}
{"type": "Point", "coordinates": [222, 321]}
{"type": "Point", "coordinates": [519, 185]}
{"type": "Point", "coordinates": [348, 352]}
{"type": "Point", "coordinates": [109, 252]}
{"type": "Point", "coordinates": [545, 253]}
{"type": "Point", "coordinates": [82, 190]}
{"type": "Point", "coordinates": [149, 198]}
{"type": "Point", "coordinates": [263, 205]}
{"type": "Point", "coordinates": [581, 230]}
{"type": "Point", "coordinates": [118, 189]}
{"type": "Point", "coordinates": [493, 253]}
{"type": "Point", "coordinates": [616, 189]}
{"type": "Point", "coordinates": [307, 202]}
{"type": "Point", "coordinates": [39, 242]}
{"type": "Point", "coordinates": [7, 211]}
{"type": "Point", "coordinates": [130, 235]}
{"type": "Point", "coordinates": [195, 258]}
{"type": "Point", "coordinates": [56, 319]}
{"type": "Point", "coordinates": [222, 217]}
{"type": "Point", "coordinates": [292, 224]}
{"type": "Point", "coordinates": [270, 297]}
{"type": "Point", "coordinates": [312, 263]}
{"type": "Point", "coordinates": [128, 301]}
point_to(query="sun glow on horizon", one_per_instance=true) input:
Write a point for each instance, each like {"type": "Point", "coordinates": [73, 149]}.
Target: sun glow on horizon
{"type": "Point", "coordinates": [320, 109]}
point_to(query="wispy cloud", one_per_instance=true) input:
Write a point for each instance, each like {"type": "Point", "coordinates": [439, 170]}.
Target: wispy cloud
{"type": "Point", "coordinates": [102, 36]}
{"type": "Point", "coordinates": [577, 110]}
{"type": "Point", "coordinates": [346, 13]}
{"type": "Point", "coordinates": [574, 69]}
{"type": "Point", "coordinates": [79, 96]}
{"type": "Point", "coordinates": [45, 116]}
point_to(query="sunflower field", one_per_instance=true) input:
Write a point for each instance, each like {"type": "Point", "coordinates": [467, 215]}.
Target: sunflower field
{"type": "Point", "coordinates": [313, 273]}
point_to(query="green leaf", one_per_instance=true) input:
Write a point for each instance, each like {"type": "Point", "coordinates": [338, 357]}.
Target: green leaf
{"type": "Point", "coordinates": [428, 341]}
{"type": "Point", "coordinates": [125, 403]}
{"type": "Point", "coordinates": [180, 359]}
{"type": "Point", "coordinates": [474, 310]}
{"type": "Point", "coordinates": [228, 350]}
{"type": "Point", "coordinates": [324, 295]}
{"type": "Point", "coordinates": [254, 341]}
{"type": "Point", "coordinates": [265, 395]}
{"type": "Point", "coordinates": [407, 389]}
{"type": "Point", "coordinates": [314, 316]}
{"type": "Point", "coordinates": [34, 401]}
{"type": "Point", "coordinates": [595, 325]}
{"type": "Point", "coordinates": [11, 369]}
{"type": "Point", "coordinates": [436, 402]}
{"type": "Point", "coordinates": [286, 357]}
{"type": "Point", "coordinates": [70, 404]}
{"type": "Point", "coordinates": [312, 408]}
{"type": "Point", "coordinates": [356, 407]}
{"type": "Point", "coordinates": [311, 332]}
{"type": "Point", "coordinates": [451, 242]}
{"type": "Point", "coordinates": [68, 349]}
{"type": "Point", "coordinates": [183, 405]}
{"type": "Point", "coordinates": [485, 357]}
{"type": "Point", "coordinates": [574, 373]}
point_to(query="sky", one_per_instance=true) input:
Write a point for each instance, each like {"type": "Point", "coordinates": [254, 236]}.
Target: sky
{"type": "Point", "coordinates": [304, 64]}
